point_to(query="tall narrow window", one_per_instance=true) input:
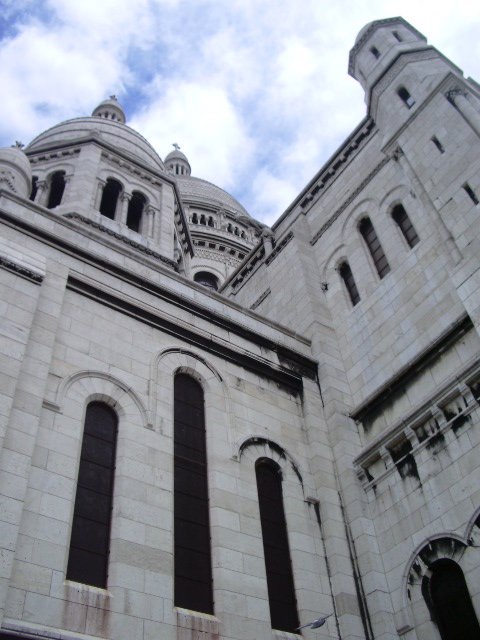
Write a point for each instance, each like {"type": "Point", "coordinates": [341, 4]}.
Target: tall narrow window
{"type": "Point", "coordinates": [406, 227]}
{"type": "Point", "coordinates": [404, 95]}
{"type": "Point", "coordinates": [281, 590]}
{"type": "Point", "coordinates": [449, 601]}
{"type": "Point", "coordinates": [135, 211]}
{"type": "Point", "coordinates": [375, 52]}
{"type": "Point", "coordinates": [374, 246]}
{"type": "Point", "coordinates": [349, 282]}
{"type": "Point", "coordinates": [89, 543]}
{"type": "Point", "coordinates": [193, 573]}
{"type": "Point", "coordinates": [110, 195]}
{"type": "Point", "coordinates": [57, 187]}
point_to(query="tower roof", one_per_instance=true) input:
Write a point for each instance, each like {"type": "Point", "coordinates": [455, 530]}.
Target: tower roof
{"type": "Point", "coordinates": [110, 109]}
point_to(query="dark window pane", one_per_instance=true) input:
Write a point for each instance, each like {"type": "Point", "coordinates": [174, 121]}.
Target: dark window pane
{"type": "Point", "coordinates": [374, 246]}
{"type": "Point", "coordinates": [406, 227]}
{"type": "Point", "coordinates": [448, 598]}
{"type": "Point", "coordinates": [57, 187]}
{"type": "Point", "coordinates": [88, 556]}
{"type": "Point", "coordinates": [111, 192]}
{"type": "Point", "coordinates": [193, 573]}
{"type": "Point", "coordinates": [347, 277]}
{"type": "Point", "coordinates": [281, 591]}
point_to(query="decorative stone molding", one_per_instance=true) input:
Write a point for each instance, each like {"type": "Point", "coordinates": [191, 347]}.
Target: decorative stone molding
{"type": "Point", "coordinates": [279, 247]}
{"type": "Point", "coordinates": [349, 200]}
{"type": "Point", "coordinates": [260, 299]}
{"type": "Point", "coordinates": [118, 236]}
{"type": "Point", "coordinates": [333, 167]}
{"type": "Point", "coordinates": [13, 258]}
{"type": "Point", "coordinates": [54, 155]}
{"type": "Point", "coordinates": [425, 428]}
{"type": "Point", "coordinates": [217, 256]}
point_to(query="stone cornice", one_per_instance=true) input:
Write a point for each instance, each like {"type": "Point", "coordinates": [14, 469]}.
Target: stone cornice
{"type": "Point", "coordinates": [330, 170]}
{"type": "Point", "coordinates": [349, 200]}
{"type": "Point", "coordinates": [289, 372]}
{"type": "Point", "coordinates": [136, 245]}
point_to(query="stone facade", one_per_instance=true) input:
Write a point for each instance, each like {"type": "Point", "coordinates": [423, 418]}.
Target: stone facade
{"type": "Point", "coordinates": [366, 395]}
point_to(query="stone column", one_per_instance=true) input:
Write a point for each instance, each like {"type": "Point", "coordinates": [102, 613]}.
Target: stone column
{"type": "Point", "coordinates": [98, 196]}
{"type": "Point", "coordinates": [151, 217]}
{"type": "Point", "coordinates": [42, 189]}
{"type": "Point", "coordinates": [458, 98]}
{"type": "Point", "coordinates": [122, 211]}
{"type": "Point", "coordinates": [24, 416]}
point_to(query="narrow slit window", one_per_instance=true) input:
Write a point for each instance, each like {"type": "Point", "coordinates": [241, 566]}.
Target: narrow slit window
{"type": "Point", "coordinates": [136, 207]}
{"type": "Point", "coordinates": [397, 36]}
{"type": "Point", "coordinates": [349, 282]}
{"type": "Point", "coordinates": [373, 243]}
{"type": "Point", "coordinates": [193, 572]}
{"type": "Point", "coordinates": [400, 216]}
{"type": "Point", "coordinates": [375, 52]}
{"type": "Point", "coordinates": [110, 195]}
{"type": "Point", "coordinates": [471, 193]}
{"type": "Point", "coordinates": [57, 187]}
{"type": "Point", "coordinates": [89, 543]}
{"type": "Point", "coordinates": [405, 96]}
{"type": "Point", "coordinates": [281, 590]}
{"type": "Point", "coordinates": [438, 144]}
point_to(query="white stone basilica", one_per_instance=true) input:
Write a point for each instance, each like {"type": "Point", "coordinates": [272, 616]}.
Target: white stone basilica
{"type": "Point", "coordinates": [214, 430]}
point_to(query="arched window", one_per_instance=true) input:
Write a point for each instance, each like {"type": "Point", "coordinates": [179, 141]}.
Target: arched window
{"type": "Point", "coordinates": [57, 187]}
{"type": "Point", "coordinates": [236, 231]}
{"type": "Point", "coordinates": [404, 95]}
{"type": "Point", "coordinates": [281, 591]}
{"type": "Point", "coordinates": [229, 228]}
{"type": "Point", "coordinates": [202, 219]}
{"type": "Point", "coordinates": [194, 219]}
{"type": "Point", "coordinates": [349, 282]}
{"type": "Point", "coordinates": [110, 195]}
{"type": "Point", "coordinates": [210, 221]}
{"type": "Point", "coordinates": [135, 211]}
{"type": "Point", "coordinates": [449, 601]}
{"type": "Point", "coordinates": [406, 227]}
{"type": "Point", "coordinates": [193, 573]}
{"type": "Point", "coordinates": [89, 542]}
{"type": "Point", "coordinates": [33, 192]}
{"type": "Point", "coordinates": [207, 279]}
{"type": "Point", "coordinates": [374, 246]}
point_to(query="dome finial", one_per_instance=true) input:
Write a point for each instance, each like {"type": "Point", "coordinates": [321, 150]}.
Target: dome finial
{"type": "Point", "coordinates": [177, 162]}
{"type": "Point", "coordinates": [110, 109]}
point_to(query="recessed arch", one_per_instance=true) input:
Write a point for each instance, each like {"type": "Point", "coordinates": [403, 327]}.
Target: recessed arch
{"type": "Point", "coordinates": [89, 385]}
{"type": "Point", "coordinates": [171, 360]}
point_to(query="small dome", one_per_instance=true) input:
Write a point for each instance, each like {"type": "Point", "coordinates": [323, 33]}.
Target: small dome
{"type": "Point", "coordinates": [111, 110]}
{"type": "Point", "coordinates": [118, 135]}
{"type": "Point", "coordinates": [15, 171]}
{"type": "Point", "coordinates": [177, 162]}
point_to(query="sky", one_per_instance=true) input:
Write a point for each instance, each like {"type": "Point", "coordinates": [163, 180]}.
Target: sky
{"type": "Point", "coordinates": [255, 92]}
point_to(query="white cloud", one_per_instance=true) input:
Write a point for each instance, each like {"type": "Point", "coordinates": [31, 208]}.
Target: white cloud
{"type": "Point", "coordinates": [201, 118]}
{"type": "Point", "coordinates": [255, 91]}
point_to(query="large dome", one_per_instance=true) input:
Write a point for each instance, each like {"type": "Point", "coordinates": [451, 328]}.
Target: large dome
{"type": "Point", "coordinates": [203, 192]}
{"type": "Point", "coordinates": [114, 133]}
